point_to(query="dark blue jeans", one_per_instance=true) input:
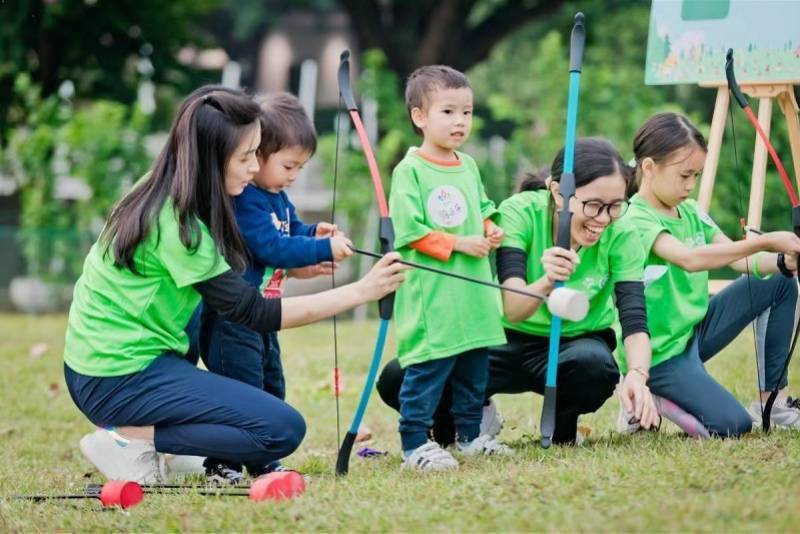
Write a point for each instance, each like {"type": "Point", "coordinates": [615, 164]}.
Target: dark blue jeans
{"type": "Point", "coordinates": [684, 380]}
{"type": "Point", "coordinates": [587, 375]}
{"type": "Point", "coordinates": [194, 412]}
{"type": "Point", "coordinates": [232, 350]}
{"type": "Point", "coordinates": [235, 351]}
{"type": "Point", "coordinates": [421, 393]}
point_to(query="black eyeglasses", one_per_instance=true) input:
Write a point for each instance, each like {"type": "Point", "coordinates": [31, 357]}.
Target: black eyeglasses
{"type": "Point", "coordinates": [594, 208]}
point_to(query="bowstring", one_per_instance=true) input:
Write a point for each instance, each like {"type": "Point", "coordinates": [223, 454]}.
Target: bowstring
{"type": "Point", "coordinates": [336, 377]}
{"type": "Point", "coordinates": [747, 262]}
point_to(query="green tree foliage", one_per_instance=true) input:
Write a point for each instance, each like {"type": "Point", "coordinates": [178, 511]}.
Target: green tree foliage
{"type": "Point", "coordinates": [98, 148]}
{"type": "Point", "coordinates": [95, 44]}
{"type": "Point", "coordinates": [460, 33]}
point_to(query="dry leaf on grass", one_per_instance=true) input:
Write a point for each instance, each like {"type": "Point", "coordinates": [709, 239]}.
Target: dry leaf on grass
{"type": "Point", "coordinates": [38, 350]}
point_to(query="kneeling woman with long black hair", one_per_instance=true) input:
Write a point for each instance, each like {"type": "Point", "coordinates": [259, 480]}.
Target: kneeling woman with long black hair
{"type": "Point", "coordinates": [168, 242]}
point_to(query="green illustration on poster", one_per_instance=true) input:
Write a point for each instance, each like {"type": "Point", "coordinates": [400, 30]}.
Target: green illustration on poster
{"type": "Point", "coordinates": [688, 40]}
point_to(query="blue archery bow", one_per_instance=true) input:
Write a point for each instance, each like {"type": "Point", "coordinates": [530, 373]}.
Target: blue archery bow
{"type": "Point", "coordinates": [563, 238]}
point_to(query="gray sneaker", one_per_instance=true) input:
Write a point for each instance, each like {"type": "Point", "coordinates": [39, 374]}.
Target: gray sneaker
{"type": "Point", "coordinates": [429, 457]}
{"type": "Point", "coordinates": [785, 413]}
{"type": "Point", "coordinates": [484, 445]}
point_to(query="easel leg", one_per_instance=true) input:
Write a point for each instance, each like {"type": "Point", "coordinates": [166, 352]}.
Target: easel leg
{"type": "Point", "coordinates": [714, 146]}
{"type": "Point", "coordinates": [789, 108]}
{"type": "Point", "coordinates": [759, 165]}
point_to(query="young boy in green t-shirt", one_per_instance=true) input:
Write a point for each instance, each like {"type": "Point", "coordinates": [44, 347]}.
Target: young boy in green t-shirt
{"type": "Point", "coordinates": [441, 218]}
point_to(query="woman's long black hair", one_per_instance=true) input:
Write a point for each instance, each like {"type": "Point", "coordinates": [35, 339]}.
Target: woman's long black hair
{"type": "Point", "coordinates": [190, 171]}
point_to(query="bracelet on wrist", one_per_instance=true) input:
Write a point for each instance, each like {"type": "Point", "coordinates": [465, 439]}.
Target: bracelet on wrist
{"type": "Point", "coordinates": [755, 270]}
{"type": "Point", "coordinates": [782, 266]}
{"type": "Point", "coordinates": [641, 371]}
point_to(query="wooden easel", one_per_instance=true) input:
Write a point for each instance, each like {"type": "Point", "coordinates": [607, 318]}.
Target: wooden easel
{"type": "Point", "coordinates": [783, 92]}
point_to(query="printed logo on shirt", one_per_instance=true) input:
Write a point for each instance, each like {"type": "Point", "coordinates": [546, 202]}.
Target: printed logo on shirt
{"type": "Point", "coordinates": [696, 240]}
{"type": "Point", "coordinates": [653, 273]}
{"type": "Point", "coordinates": [447, 206]}
{"type": "Point", "coordinates": [706, 218]}
{"type": "Point", "coordinates": [273, 289]}
{"type": "Point", "coordinates": [281, 226]}
{"type": "Point", "coordinates": [593, 284]}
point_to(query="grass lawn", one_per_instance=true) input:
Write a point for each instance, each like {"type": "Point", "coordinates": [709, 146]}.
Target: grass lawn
{"type": "Point", "coordinates": [650, 482]}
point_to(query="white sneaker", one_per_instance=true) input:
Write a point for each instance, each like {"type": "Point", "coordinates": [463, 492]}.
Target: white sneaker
{"type": "Point", "coordinates": [137, 461]}
{"type": "Point", "coordinates": [491, 420]}
{"type": "Point", "coordinates": [484, 445]}
{"type": "Point", "coordinates": [183, 465]}
{"type": "Point", "coordinates": [785, 413]}
{"type": "Point", "coordinates": [429, 457]}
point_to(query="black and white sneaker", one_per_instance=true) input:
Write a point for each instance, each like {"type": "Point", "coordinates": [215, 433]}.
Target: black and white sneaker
{"type": "Point", "coordinates": [785, 413]}
{"type": "Point", "coordinates": [429, 457]}
{"type": "Point", "coordinates": [223, 475]}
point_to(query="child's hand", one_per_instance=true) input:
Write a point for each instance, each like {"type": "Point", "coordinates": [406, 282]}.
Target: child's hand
{"type": "Point", "coordinates": [320, 269]}
{"type": "Point", "coordinates": [473, 245]}
{"type": "Point", "coordinates": [785, 242]}
{"type": "Point", "coordinates": [325, 229]}
{"type": "Point", "coordinates": [341, 247]}
{"type": "Point", "coordinates": [791, 262]}
{"type": "Point", "coordinates": [494, 234]}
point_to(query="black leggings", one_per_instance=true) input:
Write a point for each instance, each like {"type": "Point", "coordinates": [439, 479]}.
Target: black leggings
{"type": "Point", "coordinates": [587, 374]}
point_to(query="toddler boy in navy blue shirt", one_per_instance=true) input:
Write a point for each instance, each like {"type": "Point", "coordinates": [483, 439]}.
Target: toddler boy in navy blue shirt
{"type": "Point", "coordinates": [280, 245]}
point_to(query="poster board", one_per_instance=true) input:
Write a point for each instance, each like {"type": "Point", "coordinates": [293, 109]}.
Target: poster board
{"type": "Point", "coordinates": [688, 39]}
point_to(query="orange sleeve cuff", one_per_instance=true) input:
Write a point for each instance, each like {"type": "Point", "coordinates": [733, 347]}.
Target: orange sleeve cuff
{"type": "Point", "coordinates": [439, 245]}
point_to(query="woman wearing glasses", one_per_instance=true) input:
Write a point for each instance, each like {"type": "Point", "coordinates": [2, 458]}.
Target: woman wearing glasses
{"type": "Point", "coordinates": [605, 261]}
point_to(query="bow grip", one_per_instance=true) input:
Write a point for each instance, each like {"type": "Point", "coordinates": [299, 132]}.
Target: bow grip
{"type": "Point", "coordinates": [796, 220]}
{"type": "Point", "coordinates": [564, 237]}
{"type": "Point", "coordinates": [386, 237]}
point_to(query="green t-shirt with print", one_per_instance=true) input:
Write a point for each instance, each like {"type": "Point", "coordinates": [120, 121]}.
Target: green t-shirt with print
{"type": "Point", "coordinates": [677, 300]}
{"type": "Point", "coordinates": [527, 219]}
{"type": "Point", "coordinates": [119, 321]}
{"type": "Point", "coordinates": [438, 316]}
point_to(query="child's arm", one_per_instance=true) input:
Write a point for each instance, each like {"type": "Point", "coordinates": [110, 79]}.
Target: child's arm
{"type": "Point", "coordinates": [491, 231]}
{"type": "Point", "coordinates": [296, 225]}
{"type": "Point", "coordinates": [326, 268]}
{"type": "Point", "coordinates": [762, 262]}
{"type": "Point", "coordinates": [441, 245]}
{"type": "Point", "coordinates": [326, 229]}
{"type": "Point", "coordinates": [723, 252]}
{"type": "Point", "coordinates": [268, 245]}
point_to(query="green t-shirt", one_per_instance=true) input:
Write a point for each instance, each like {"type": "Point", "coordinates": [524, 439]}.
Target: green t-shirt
{"type": "Point", "coordinates": [437, 316]}
{"type": "Point", "coordinates": [676, 300]}
{"type": "Point", "coordinates": [527, 219]}
{"type": "Point", "coordinates": [119, 322]}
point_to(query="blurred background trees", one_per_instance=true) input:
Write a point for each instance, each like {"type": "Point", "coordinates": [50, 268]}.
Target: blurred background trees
{"type": "Point", "coordinates": [87, 88]}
